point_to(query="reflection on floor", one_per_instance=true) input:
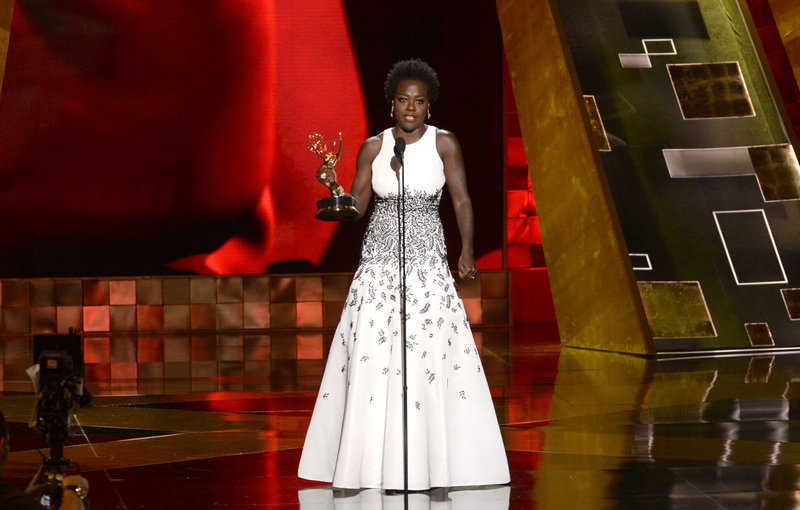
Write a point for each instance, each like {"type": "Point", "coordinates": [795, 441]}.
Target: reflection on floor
{"type": "Point", "coordinates": [583, 430]}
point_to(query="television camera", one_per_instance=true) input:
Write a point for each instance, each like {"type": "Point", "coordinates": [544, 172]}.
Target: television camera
{"type": "Point", "coordinates": [60, 390]}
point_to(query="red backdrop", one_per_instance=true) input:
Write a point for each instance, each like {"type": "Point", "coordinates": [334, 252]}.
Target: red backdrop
{"type": "Point", "coordinates": [151, 137]}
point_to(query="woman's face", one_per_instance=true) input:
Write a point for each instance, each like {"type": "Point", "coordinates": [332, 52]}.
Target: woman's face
{"type": "Point", "coordinates": [410, 105]}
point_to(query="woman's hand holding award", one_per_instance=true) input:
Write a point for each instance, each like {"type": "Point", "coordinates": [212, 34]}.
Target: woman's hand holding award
{"type": "Point", "coordinates": [339, 205]}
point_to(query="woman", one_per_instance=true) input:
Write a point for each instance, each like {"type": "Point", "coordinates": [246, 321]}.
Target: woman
{"type": "Point", "coordinates": [355, 438]}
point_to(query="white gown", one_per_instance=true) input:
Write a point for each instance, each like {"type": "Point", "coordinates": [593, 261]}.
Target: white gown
{"type": "Point", "coordinates": [355, 438]}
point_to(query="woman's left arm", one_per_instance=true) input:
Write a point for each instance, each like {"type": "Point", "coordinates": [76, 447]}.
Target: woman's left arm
{"type": "Point", "coordinates": [455, 174]}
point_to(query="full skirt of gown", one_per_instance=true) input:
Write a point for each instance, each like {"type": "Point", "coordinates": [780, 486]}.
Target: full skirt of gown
{"type": "Point", "coordinates": [355, 438]}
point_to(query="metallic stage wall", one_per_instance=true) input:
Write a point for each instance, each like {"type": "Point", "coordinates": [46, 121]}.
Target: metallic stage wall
{"type": "Point", "coordinates": [6, 10]}
{"type": "Point", "coordinates": [155, 327]}
{"type": "Point", "coordinates": [666, 179]}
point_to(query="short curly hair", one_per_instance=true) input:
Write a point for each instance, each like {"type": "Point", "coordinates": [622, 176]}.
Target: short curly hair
{"type": "Point", "coordinates": [412, 69]}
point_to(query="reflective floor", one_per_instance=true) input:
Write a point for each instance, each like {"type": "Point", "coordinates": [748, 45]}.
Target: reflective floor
{"type": "Point", "coordinates": [583, 430]}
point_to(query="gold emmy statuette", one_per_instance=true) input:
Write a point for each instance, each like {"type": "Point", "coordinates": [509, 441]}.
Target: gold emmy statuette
{"type": "Point", "coordinates": [340, 205]}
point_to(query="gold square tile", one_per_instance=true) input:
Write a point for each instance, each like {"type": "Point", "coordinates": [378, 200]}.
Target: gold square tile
{"type": "Point", "coordinates": [122, 292]}
{"type": "Point", "coordinates": [203, 316]}
{"type": "Point", "coordinates": [711, 90]}
{"type": "Point", "coordinates": [149, 291]}
{"type": "Point", "coordinates": [308, 288]}
{"type": "Point", "coordinates": [150, 317]}
{"type": "Point", "coordinates": [229, 316]}
{"type": "Point", "coordinates": [203, 290]}
{"type": "Point", "coordinates": [16, 294]}
{"type": "Point", "coordinates": [256, 315]}
{"type": "Point", "coordinates": [43, 319]}
{"type": "Point", "coordinates": [229, 289]}
{"type": "Point", "coordinates": [43, 293]}
{"type": "Point", "coordinates": [96, 318]}
{"type": "Point", "coordinates": [69, 293]}
{"type": "Point", "coordinates": [177, 291]}
{"type": "Point", "coordinates": [309, 314]}
{"type": "Point", "coordinates": [255, 288]}
{"type": "Point", "coordinates": [123, 317]}
{"type": "Point", "coordinates": [282, 289]}
{"type": "Point", "coordinates": [177, 317]}
{"type": "Point", "coordinates": [16, 320]}
{"type": "Point", "coordinates": [791, 298]}
{"type": "Point", "coordinates": [676, 309]}
{"type": "Point", "coordinates": [283, 315]}
{"type": "Point", "coordinates": [69, 317]}
{"type": "Point", "coordinates": [777, 171]}
{"type": "Point", "coordinates": [95, 292]}
{"type": "Point", "coordinates": [335, 287]}
{"type": "Point", "coordinates": [759, 334]}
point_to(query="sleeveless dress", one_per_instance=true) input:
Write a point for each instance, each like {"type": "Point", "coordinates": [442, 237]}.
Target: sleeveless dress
{"type": "Point", "coordinates": [355, 438]}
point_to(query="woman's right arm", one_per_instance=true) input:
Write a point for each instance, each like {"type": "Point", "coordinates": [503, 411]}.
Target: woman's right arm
{"type": "Point", "coordinates": [361, 189]}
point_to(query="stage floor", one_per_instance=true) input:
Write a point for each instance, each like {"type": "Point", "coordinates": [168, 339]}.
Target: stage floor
{"type": "Point", "coordinates": [583, 430]}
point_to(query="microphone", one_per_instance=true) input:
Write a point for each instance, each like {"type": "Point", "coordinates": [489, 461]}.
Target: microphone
{"type": "Point", "coordinates": [399, 148]}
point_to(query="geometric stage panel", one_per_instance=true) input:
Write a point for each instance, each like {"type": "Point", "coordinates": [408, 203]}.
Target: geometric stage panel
{"type": "Point", "coordinates": [775, 166]}
{"type": "Point", "coordinates": [750, 247]}
{"type": "Point", "coordinates": [711, 90]}
{"type": "Point", "coordinates": [791, 298]}
{"type": "Point", "coordinates": [777, 171]}
{"type": "Point", "coordinates": [708, 162]}
{"type": "Point", "coordinates": [759, 334]}
{"type": "Point", "coordinates": [702, 178]}
{"type": "Point", "coordinates": [676, 309]}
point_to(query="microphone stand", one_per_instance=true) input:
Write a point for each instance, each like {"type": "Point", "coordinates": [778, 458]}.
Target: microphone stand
{"type": "Point", "coordinates": [399, 148]}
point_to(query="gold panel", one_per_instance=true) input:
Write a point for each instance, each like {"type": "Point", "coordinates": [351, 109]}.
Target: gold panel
{"type": "Point", "coordinates": [777, 171]}
{"type": "Point", "coordinates": [787, 17]}
{"type": "Point", "coordinates": [759, 334]}
{"type": "Point", "coordinates": [791, 298]}
{"type": "Point", "coordinates": [593, 285]}
{"type": "Point", "coordinates": [711, 90]}
{"type": "Point", "coordinates": [596, 121]}
{"type": "Point", "coordinates": [6, 11]}
{"type": "Point", "coordinates": [676, 309]}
